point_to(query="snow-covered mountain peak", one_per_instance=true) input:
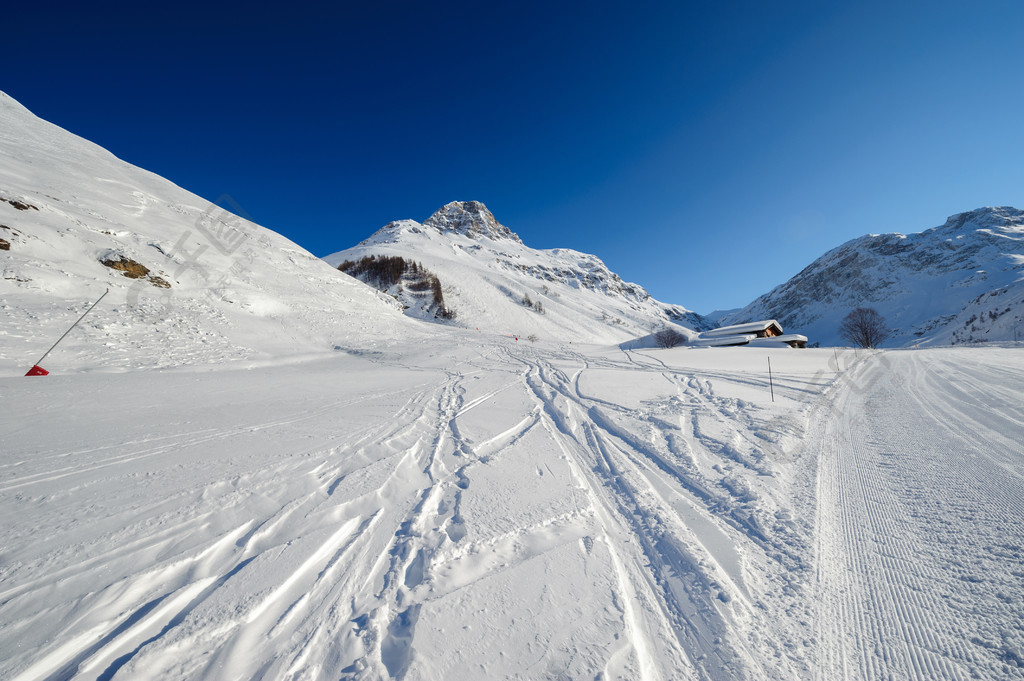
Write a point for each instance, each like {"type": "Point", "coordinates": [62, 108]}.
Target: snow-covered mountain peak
{"type": "Point", "coordinates": [392, 232]}
{"type": "Point", "coordinates": [471, 218]}
{"type": "Point", "coordinates": [491, 280]}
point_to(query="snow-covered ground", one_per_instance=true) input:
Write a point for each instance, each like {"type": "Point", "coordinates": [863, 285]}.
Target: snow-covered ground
{"type": "Point", "coordinates": [479, 507]}
{"type": "Point", "coordinates": [230, 288]}
{"type": "Point", "coordinates": [919, 541]}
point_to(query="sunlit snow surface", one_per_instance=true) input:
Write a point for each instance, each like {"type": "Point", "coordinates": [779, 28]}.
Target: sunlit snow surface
{"type": "Point", "coordinates": [479, 507]}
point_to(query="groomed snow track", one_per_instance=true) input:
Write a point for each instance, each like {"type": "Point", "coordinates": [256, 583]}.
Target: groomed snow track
{"type": "Point", "coordinates": [920, 566]}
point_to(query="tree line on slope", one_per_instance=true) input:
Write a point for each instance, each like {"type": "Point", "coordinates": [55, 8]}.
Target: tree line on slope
{"type": "Point", "coordinates": [385, 271]}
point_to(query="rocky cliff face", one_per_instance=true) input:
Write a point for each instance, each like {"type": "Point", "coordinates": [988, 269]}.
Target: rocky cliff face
{"type": "Point", "coordinates": [951, 283]}
{"type": "Point", "coordinates": [469, 218]}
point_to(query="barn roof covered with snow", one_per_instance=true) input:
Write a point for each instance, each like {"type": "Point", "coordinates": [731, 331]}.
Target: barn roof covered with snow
{"type": "Point", "coordinates": [765, 333]}
{"type": "Point", "coordinates": [762, 329]}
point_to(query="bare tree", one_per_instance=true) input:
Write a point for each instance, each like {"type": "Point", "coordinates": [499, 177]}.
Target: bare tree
{"type": "Point", "coordinates": [864, 327]}
{"type": "Point", "coordinates": [669, 338]}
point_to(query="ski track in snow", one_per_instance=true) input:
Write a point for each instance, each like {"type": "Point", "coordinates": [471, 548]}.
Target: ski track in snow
{"type": "Point", "coordinates": [919, 567]}
{"type": "Point", "coordinates": [513, 510]}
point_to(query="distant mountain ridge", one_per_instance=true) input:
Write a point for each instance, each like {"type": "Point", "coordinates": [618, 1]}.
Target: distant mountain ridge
{"type": "Point", "coordinates": [960, 282]}
{"type": "Point", "coordinates": [492, 280]}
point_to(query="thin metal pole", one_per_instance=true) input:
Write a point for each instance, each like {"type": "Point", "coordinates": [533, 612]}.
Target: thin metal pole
{"type": "Point", "coordinates": [40, 361]}
{"type": "Point", "coordinates": [836, 355]}
{"type": "Point", "coordinates": [771, 383]}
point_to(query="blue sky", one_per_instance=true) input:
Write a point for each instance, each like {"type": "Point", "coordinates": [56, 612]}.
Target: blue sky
{"type": "Point", "coordinates": [708, 151]}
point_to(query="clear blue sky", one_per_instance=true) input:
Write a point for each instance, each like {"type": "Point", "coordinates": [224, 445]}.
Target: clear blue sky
{"type": "Point", "coordinates": [706, 150]}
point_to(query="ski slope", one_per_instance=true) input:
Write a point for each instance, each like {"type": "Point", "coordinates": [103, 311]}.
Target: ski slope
{"type": "Point", "coordinates": [920, 548]}
{"type": "Point", "coordinates": [486, 508]}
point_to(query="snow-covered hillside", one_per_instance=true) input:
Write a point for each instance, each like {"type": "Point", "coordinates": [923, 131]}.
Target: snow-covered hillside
{"type": "Point", "coordinates": [962, 282]}
{"type": "Point", "coordinates": [495, 283]}
{"type": "Point", "coordinates": [211, 286]}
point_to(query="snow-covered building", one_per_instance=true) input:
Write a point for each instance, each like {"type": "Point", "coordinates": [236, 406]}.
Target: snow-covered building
{"type": "Point", "coordinates": [763, 329]}
{"type": "Point", "coordinates": [765, 333]}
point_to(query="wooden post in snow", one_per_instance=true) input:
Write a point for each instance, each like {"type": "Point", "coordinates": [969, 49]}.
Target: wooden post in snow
{"type": "Point", "coordinates": [37, 370]}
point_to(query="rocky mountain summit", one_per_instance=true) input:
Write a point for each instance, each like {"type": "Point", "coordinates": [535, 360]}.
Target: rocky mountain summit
{"type": "Point", "coordinates": [470, 218]}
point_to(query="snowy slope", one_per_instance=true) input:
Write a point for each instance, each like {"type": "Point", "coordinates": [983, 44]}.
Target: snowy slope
{"type": "Point", "coordinates": [235, 290]}
{"type": "Point", "coordinates": [487, 273]}
{"type": "Point", "coordinates": [474, 508]}
{"type": "Point", "coordinates": [961, 282]}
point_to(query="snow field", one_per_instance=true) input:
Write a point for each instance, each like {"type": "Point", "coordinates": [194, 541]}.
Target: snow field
{"type": "Point", "coordinates": [403, 515]}
{"type": "Point", "coordinates": [236, 290]}
{"type": "Point", "coordinates": [267, 471]}
{"type": "Point", "coordinates": [480, 507]}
